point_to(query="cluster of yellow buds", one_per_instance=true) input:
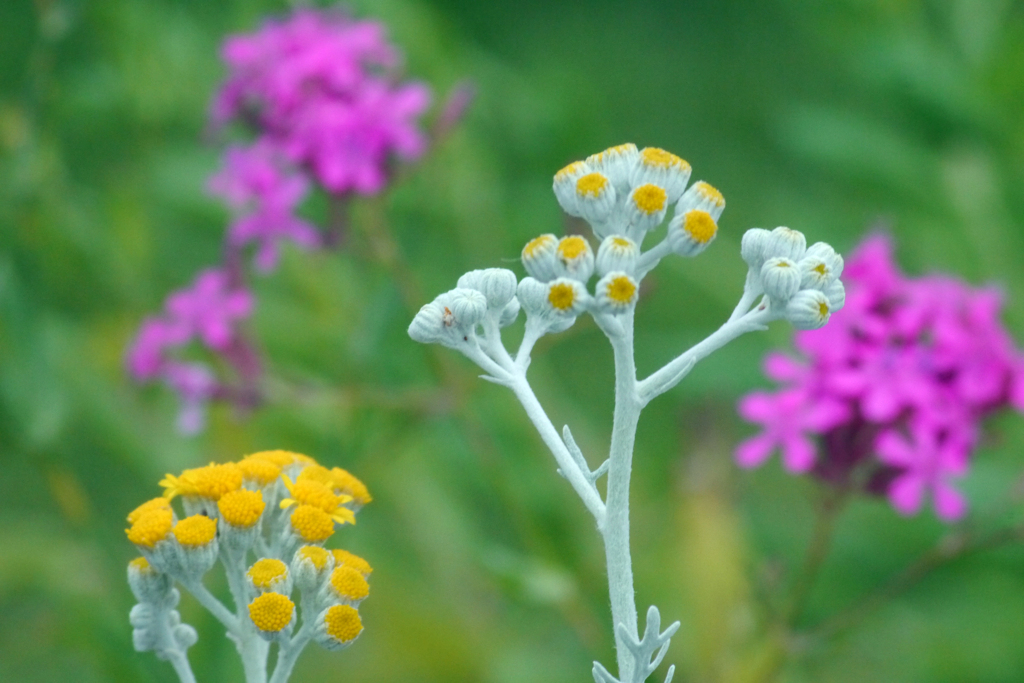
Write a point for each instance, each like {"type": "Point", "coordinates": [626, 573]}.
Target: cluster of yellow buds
{"type": "Point", "coordinates": [266, 518]}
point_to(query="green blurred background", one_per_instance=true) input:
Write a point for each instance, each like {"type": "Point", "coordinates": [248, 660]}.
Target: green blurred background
{"type": "Point", "coordinates": [827, 117]}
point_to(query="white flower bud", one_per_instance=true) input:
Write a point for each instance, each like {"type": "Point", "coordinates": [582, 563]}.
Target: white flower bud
{"type": "Point", "coordinates": [617, 253]}
{"type": "Point", "coordinates": [617, 164]}
{"type": "Point", "coordinates": [429, 324]}
{"type": "Point", "coordinates": [337, 627]}
{"type": "Point", "coordinates": [574, 258]}
{"type": "Point", "coordinates": [311, 566]}
{"type": "Point", "coordinates": [702, 197]}
{"type": "Point", "coordinates": [595, 197]}
{"type": "Point", "coordinates": [509, 313]}
{"type": "Point", "coordinates": [532, 294]}
{"type": "Point", "coordinates": [785, 243]}
{"type": "Point", "coordinates": [566, 297]}
{"type": "Point", "coordinates": [809, 309]}
{"type": "Point", "coordinates": [498, 285]}
{"type": "Point", "coordinates": [150, 586]}
{"type": "Point", "coordinates": [780, 279]}
{"type": "Point", "coordinates": [646, 206]}
{"type": "Point", "coordinates": [468, 306]}
{"type": "Point", "coordinates": [753, 246]}
{"type": "Point", "coordinates": [820, 267]}
{"type": "Point", "coordinates": [836, 294]}
{"type": "Point", "coordinates": [664, 169]}
{"type": "Point", "coordinates": [616, 292]}
{"type": "Point", "coordinates": [691, 232]}
{"type": "Point", "coordinates": [565, 186]}
{"type": "Point", "coordinates": [539, 257]}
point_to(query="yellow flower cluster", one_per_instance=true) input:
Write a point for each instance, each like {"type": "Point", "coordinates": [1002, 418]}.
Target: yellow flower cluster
{"type": "Point", "coordinates": [263, 493]}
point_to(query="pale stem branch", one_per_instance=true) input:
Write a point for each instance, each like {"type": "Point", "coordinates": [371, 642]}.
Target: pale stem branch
{"type": "Point", "coordinates": [651, 258]}
{"type": "Point", "coordinates": [534, 331]}
{"type": "Point", "coordinates": [584, 489]}
{"type": "Point", "coordinates": [751, 290]}
{"type": "Point", "coordinates": [214, 606]}
{"type": "Point", "coordinates": [616, 527]}
{"type": "Point", "coordinates": [668, 376]}
{"type": "Point", "coordinates": [290, 651]}
{"type": "Point", "coordinates": [492, 343]}
{"type": "Point", "coordinates": [179, 660]}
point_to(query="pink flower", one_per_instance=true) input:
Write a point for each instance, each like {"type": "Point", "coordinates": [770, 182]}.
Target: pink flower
{"type": "Point", "coordinates": [210, 309]}
{"type": "Point", "coordinates": [264, 194]}
{"type": "Point", "coordinates": [318, 87]}
{"type": "Point", "coordinates": [897, 382]}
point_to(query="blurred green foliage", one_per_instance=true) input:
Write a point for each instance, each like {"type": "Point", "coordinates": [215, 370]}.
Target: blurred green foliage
{"type": "Point", "coordinates": [828, 117]}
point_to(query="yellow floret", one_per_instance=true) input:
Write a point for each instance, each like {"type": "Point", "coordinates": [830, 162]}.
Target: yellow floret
{"type": "Point", "coordinates": [317, 473]}
{"type": "Point", "coordinates": [259, 471]}
{"type": "Point", "coordinates": [571, 247]}
{"type": "Point", "coordinates": [141, 564]}
{"type": "Point", "coordinates": [343, 623]}
{"type": "Point", "coordinates": [211, 482]}
{"type": "Point", "coordinates": [267, 573]}
{"type": "Point", "coordinates": [316, 555]}
{"type": "Point", "coordinates": [195, 531]}
{"type": "Point", "coordinates": [591, 185]}
{"type": "Point", "coordinates": [148, 506]}
{"type": "Point", "coordinates": [151, 528]}
{"type": "Point", "coordinates": [659, 158]}
{"type": "Point", "coordinates": [700, 226]}
{"type": "Point", "coordinates": [710, 193]}
{"type": "Point", "coordinates": [621, 290]}
{"type": "Point", "coordinates": [347, 559]}
{"type": "Point", "coordinates": [311, 493]}
{"type": "Point", "coordinates": [570, 170]}
{"type": "Point", "coordinates": [311, 524]}
{"type": "Point", "coordinates": [282, 458]}
{"type": "Point", "coordinates": [349, 583]}
{"type": "Point", "coordinates": [537, 244]}
{"type": "Point", "coordinates": [562, 296]}
{"type": "Point", "coordinates": [622, 242]}
{"type": "Point", "coordinates": [271, 612]}
{"type": "Point", "coordinates": [649, 198]}
{"type": "Point", "coordinates": [348, 483]}
{"type": "Point", "coordinates": [241, 508]}
{"type": "Point", "coordinates": [821, 269]}
{"type": "Point", "coordinates": [823, 309]}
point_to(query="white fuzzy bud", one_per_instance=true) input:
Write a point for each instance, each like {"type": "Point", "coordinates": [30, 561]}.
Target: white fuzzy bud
{"type": "Point", "coordinates": [691, 232]}
{"type": "Point", "coordinates": [185, 636]}
{"type": "Point", "coordinates": [429, 324]}
{"type": "Point", "coordinates": [566, 297]}
{"type": "Point", "coordinates": [753, 246]}
{"type": "Point", "coordinates": [780, 279]}
{"type": "Point", "coordinates": [785, 243]}
{"type": "Point", "coordinates": [595, 197]}
{"type": "Point", "coordinates": [498, 285]}
{"type": "Point", "coordinates": [616, 293]}
{"type": "Point", "coordinates": [702, 197]}
{"type": "Point", "coordinates": [657, 167]}
{"type": "Point", "coordinates": [539, 257]}
{"type": "Point", "coordinates": [565, 186]}
{"type": "Point", "coordinates": [646, 206]}
{"type": "Point", "coordinates": [617, 253]}
{"type": "Point", "coordinates": [532, 294]}
{"type": "Point", "coordinates": [150, 586]}
{"type": "Point", "coordinates": [809, 309]}
{"type": "Point", "coordinates": [574, 258]}
{"type": "Point", "coordinates": [468, 306]}
{"type": "Point", "coordinates": [617, 164]}
{"type": "Point", "coordinates": [509, 313]}
{"type": "Point", "coordinates": [820, 266]}
{"type": "Point", "coordinates": [836, 294]}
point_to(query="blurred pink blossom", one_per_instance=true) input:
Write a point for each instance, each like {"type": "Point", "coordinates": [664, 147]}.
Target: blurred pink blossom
{"type": "Point", "coordinates": [895, 386]}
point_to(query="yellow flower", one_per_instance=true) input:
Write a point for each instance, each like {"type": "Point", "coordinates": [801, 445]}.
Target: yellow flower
{"type": "Point", "coordinates": [241, 508]}
{"type": "Point", "coordinates": [271, 612]}
{"type": "Point", "coordinates": [211, 482]}
{"type": "Point", "coordinates": [151, 528]}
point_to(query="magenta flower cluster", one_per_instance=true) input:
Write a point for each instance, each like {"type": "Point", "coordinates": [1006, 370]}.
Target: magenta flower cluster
{"type": "Point", "coordinates": [893, 390]}
{"type": "Point", "coordinates": [317, 98]}
{"type": "Point", "coordinates": [319, 93]}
